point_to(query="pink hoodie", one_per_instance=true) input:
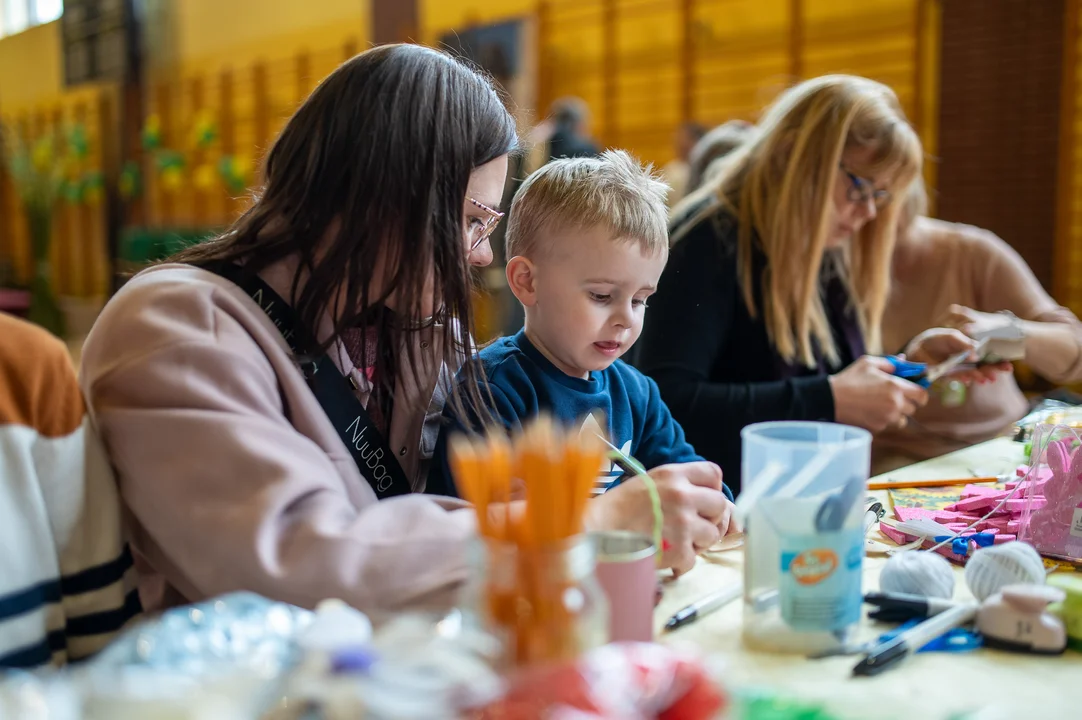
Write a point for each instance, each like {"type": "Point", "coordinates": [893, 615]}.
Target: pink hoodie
{"type": "Point", "coordinates": [230, 472]}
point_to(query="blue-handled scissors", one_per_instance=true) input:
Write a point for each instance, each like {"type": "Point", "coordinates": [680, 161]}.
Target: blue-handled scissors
{"type": "Point", "coordinates": [924, 375]}
{"type": "Point", "coordinates": [914, 371]}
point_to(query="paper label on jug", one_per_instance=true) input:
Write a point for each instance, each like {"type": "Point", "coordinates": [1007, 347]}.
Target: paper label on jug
{"type": "Point", "coordinates": [1076, 522]}
{"type": "Point", "coordinates": [820, 580]}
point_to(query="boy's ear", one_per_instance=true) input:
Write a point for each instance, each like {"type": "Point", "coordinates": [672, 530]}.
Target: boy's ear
{"type": "Point", "coordinates": [522, 279]}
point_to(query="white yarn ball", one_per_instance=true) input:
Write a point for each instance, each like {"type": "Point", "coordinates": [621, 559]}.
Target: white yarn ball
{"type": "Point", "coordinates": [993, 568]}
{"type": "Point", "coordinates": [918, 573]}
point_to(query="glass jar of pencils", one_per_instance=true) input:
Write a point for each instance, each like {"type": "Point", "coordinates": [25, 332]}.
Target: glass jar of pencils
{"type": "Point", "coordinates": [542, 603]}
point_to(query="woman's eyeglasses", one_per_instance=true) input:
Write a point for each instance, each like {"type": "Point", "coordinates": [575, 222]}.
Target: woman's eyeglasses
{"type": "Point", "coordinates": [479, 231]}
{"type": "Point", "coordinates": [861, 190]}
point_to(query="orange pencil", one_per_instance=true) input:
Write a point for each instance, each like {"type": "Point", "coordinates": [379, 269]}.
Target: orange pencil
{"type": "Point", "coordinates": [905, 484]}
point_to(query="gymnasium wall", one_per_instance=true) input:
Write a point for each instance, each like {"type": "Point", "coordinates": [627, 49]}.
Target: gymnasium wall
{"type": "Point", "coordinates": [244, 63]}
{"type": "Point", "coordinates": [643, 65]}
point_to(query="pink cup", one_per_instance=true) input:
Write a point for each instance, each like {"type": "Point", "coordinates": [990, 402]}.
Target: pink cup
{"type": "Point", "coordinates": [627, 573]}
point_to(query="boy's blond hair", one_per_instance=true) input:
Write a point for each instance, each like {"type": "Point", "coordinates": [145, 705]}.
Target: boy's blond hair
{"type": "Point", "coordinates": [613, 191]}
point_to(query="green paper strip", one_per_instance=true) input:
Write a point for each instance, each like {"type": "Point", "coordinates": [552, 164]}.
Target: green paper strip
{"type": "Point", "coordinates": [651, 490]}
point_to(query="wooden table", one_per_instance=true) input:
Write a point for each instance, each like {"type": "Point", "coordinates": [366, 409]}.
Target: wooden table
{"type": "Point", "coordinates": [926, 686]}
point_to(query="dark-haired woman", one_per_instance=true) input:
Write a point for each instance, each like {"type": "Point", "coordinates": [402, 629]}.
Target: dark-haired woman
{"type": "Point", "coordinates": [271, 400]}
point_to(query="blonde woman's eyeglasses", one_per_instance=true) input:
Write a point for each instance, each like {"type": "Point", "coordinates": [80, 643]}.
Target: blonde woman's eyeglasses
{"type": "Point", "coordinates": [861, 190]}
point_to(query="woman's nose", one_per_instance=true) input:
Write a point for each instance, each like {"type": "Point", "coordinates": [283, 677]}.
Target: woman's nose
{"type": "Point", "coordinates": [869, 209]}
{"type": "Point", "coordinates": [481, 255]}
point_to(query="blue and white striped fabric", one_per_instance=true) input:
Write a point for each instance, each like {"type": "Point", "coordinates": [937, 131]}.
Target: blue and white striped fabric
{"type": "Point", "coordinates": [66, 578]}
{"type": "Point", "coordinates": [67, 583]}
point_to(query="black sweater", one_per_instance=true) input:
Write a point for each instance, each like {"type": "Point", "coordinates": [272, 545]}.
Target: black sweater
{"type": "Point", "coordinates": [713, 362]}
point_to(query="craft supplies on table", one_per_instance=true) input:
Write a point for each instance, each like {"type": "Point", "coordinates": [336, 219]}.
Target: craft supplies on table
{"type": "Point", "coordinates": [893, 651]}
{"type": "Point", "coordinates": [1070, 608]}
{"type": "Point", "coordinates": [804, 533]}
{"type": "Point", "coordinates": [901, 607]}
{"type": "Point", "coordinates": [1016, 619]}
{"type": "Point", "coordinates": [954, 640]}
{"type": "Point", "coordinates": [946, 482]}
{"type": "Point", "coordinates": [922, 574]}
{"type": "Point", "coordinates": [703, 607]}
{"type": "Point", "coordinates": [536, 589]}
{"type": "Point", "coordinates": [954, 524]}
{"type": "Point", "coordinates": [1052, 510]}
{"type": "Point", "coordinates": [1048, 414]}
{"type": "Point", "coordinates": [994, 568]}
{"type": "Point", "coordinates": [627, 573]}
{"type": "Point", "coordinates": [930, 685]}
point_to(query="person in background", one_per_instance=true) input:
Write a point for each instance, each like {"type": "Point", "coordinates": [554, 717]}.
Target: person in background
{"type": "Point", "coordinates": [586, 243]}
{"type": "Point", "coordinates": [967, 278]}
{"type": "Point", "coordinates": [777, 281]}
{"type": "Point", "coordinates": [65, 589]}
{"type": "Point", "coordinates": [714, 146]}
{"type": "Point", "coordinates": [570, 130]}
{"type": "Point", "coordinates": [675, 174]}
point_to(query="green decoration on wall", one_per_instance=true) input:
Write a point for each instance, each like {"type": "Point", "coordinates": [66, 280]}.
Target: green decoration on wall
{"type": "Point", "coordinates": [78, 141]}
{"type": "Point", "coordinates": [37, 174]}
{"type": "Point", "coordinates": [130, 182]}
{"type": "Point", "coordinates": [204, 130]}
{"type": "Point", "coordinates": [152, 133]}
{"type": "Point", "coordinates": [93, 187]}
{"type": "Point", "coordinates": [235, 172]}
{"type": "Point", "coordinates": [73, 190]}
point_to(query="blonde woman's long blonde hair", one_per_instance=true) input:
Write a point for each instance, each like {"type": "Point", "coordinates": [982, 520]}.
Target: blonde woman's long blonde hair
{"type": "Point", "coordinates": [779, 185]}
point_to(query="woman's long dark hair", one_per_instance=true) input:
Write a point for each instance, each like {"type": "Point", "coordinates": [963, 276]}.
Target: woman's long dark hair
{"type": "Point", "coordinates": [382, 150]}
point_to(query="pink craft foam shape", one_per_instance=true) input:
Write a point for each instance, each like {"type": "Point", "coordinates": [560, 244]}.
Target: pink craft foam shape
{"type": "Point", "coordinates": [1004, 538]}
{"type": "Point", "coordinates": [999, 523]}
{"type": "Point", "coordinates": [1049, 525]}
{"type": "Point", "coordinates": [946, 552]}
{"type": "Point", "coordinates": [943, 516]}
{"type": "Point", "coordinates": [1018, 505]}
{"type": "Point", "coordinates": [911, 513]}
{"type": "Point", "coordinates": [1039, 477]}
{"type": "Point", "coordinates": [981, 502]}
{"type": "Point", "coordinates": [901, 538]}
{"type": "Point", "coordinates": [895, 534]}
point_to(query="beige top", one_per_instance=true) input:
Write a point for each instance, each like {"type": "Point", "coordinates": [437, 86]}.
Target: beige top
{"type": "Point", "coordinates": [946, 263]}
{"type": "Point", "coordinates": [231, 474]}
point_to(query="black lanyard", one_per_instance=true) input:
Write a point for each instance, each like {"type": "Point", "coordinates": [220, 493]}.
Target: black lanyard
{"type": "Point", "coordinates": [334, 392]}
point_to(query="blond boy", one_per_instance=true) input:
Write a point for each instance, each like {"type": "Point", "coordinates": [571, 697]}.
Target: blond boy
{"type": "Point", "coordinates": [587, 242]}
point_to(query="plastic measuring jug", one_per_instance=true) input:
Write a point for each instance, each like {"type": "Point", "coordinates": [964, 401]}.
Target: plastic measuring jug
{"type": "Point", "coordinates": [803, 507]}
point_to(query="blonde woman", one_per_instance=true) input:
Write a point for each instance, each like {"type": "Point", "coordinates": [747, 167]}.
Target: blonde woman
{"type": "Point", "coordinates": [967, 278]}
{"type": "Point", "coordinates": [775, 291]}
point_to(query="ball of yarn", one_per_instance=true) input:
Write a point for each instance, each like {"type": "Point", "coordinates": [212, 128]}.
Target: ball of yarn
{"type": "Point", "coordinates": [993, 568]}
{"type": "Point", "coordinates": [918, 573]}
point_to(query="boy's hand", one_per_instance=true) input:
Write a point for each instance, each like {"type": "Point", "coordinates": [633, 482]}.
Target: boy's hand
{"type": "Point", "coordinates": [728, 525]}
{"type": "Point", "coordinates": [696, 512]}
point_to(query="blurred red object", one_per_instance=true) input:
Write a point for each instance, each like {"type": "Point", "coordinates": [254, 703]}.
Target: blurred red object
{"type": "Point", "coordinates": [623, 681]}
